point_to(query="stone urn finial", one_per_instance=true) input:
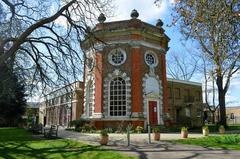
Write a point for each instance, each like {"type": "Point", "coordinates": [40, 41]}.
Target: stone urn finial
{"type": "Point", "coordinates": [159, 23]}
{"type": "Point", "coordinates": [101, 18]}
{"type": "Point", "coordinates": [134, 14]}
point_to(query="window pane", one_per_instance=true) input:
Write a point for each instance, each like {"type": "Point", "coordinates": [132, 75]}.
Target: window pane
{"type": "Point", "coordinates": [118, 98]}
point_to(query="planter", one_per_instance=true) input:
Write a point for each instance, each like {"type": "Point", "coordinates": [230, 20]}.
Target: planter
{"type": "Point", "coordinates": [104, 140]}
{"type": "Point", "coordinates": [221, 130]}
{"type": "Point", "coordinates": [156, 136]}
{"type": "Point", "coordinates": [184, 134]}
{"type": "Point", "coordinates": [205, 132]}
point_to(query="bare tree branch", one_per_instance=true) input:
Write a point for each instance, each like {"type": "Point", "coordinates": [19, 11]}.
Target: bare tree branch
{"type": "Point", "coordinates": [43, 38]}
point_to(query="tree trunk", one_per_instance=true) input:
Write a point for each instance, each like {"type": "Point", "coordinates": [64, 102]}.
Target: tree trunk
{"type": "Point", "coordinates": [222, 108]}
{"type": "Point", "coordinates": [213, 117]}
{"type": "Point", "coordinates": [221, 100]}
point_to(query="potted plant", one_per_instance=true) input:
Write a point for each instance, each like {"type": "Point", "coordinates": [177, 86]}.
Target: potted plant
{"type": "Point", "coordinates": [139, 129]}
{"type": "Point", "coordinates": [221, 129]}
{"type": "Point", "coordinates": [184, 132]}
{"type": "Point", "coordinates": [104, 137]}
{"type": "Point", "coordinates": [205, 130]}
{"type": "Point", "coordinates": [156, 133]}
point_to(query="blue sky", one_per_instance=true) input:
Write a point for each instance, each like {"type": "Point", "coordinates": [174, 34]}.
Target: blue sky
{"type": "Point", "coordinates": [149, 12]}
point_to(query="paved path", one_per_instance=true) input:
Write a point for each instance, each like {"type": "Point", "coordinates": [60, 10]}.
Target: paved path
{"type": "Point", "coordinates": [156, 150]}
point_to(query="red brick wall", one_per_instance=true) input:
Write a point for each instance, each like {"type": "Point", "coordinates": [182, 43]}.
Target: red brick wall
{"type": "Point", "coordinates": [98, 84]}
{"type": "Point", "coordinates": [164, 84]}
{"type": "Point", "coordinates": [136, 80]}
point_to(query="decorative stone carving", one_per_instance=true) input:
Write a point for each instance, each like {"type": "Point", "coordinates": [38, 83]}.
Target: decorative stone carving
{"type": "Point", "coordinates": [107, 80]}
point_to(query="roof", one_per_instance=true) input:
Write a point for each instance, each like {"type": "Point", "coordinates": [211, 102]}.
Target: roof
{"type": "Point", "coordinates": [78, 85]}
{"type": "Point", "coordinates": [132, 31]}
{"type": "Point", "coordinates": [33, 104]}
{"type": "Point", "coordinates": [184, 82]}
{"type": "Point", "coordinates": [233, 107]}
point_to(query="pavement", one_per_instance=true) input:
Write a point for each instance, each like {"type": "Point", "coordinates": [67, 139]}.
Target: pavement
{"type": "Point", "coordinates": [157, 149]}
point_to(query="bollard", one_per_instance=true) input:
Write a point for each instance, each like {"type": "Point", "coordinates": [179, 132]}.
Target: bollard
{"type": "Point", "coordinates": [129, 127]}
{"type": "Point", "coordinates": [128, 137]}
{"type": "Point", "coordinates": [149, 134]}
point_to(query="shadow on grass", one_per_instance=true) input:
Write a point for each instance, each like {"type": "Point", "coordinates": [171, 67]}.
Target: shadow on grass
{"type": "Point", "coordinates": [226, 142]}
{"type": "Point", "coordinates": [45, 149]}
{"type": "Point", "coordinates": [18, 143]}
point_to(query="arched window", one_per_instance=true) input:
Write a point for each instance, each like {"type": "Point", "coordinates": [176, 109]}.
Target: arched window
{"type": "Point", "coordinates": [117, 101]}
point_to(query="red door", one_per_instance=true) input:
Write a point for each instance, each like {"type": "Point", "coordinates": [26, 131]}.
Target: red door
{"type": "Point", "coordinates": [152, 113]}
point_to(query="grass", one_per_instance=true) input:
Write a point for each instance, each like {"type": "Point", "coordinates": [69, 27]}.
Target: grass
{"type": "Point", "coordinates": [18, 143]}
{"type": "Point", "coordinates": [230, 142]}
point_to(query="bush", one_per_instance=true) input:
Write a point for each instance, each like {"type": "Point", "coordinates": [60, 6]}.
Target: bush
{"type": "Point", "coordinates": [109, 130]}
{"type": "Point", "coordinates": [185, 121]}
{"type": "Point", "coordinates": [78, 123]}
{"type": "Point", "coordinates": [88, 128]}
{"type": "Point", "coordinates": [78, 129]}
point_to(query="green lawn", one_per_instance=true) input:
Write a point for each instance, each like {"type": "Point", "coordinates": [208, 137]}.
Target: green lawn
{"type": "Point", "coordinates": [231, 142]}
{"type": "Point", "coordinates": [18, 143]}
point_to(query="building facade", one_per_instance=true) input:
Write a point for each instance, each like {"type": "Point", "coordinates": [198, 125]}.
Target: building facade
{"type": "Point", "coordinates": [125, 81]}
{"type": "Point", "coordinates": [63, 105]}
{"type": "Point", "coordinates": [185, 102]}
{"type": "Point", "coordinates": [125, 73]}
{"type": "Point", "coordinates": [233, 115]}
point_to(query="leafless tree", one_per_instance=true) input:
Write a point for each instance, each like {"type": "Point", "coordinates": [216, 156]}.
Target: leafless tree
{"type": "Point", "coordinates": [181, 66]}
{"type": "Point", "coordinates": [42, 37]}
{"type": "Point", "coordinates": [215, 26]}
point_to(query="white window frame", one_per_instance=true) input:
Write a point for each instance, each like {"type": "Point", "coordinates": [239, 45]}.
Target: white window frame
{"type": "Point", "coordinates": [154, 56]}
{"type": "Point", "coordinates": [188, 112]}
{"type": "Point", "coordinates": [112, 53]}
{"type": "Point", "coordinates": [90, 97]}
{"type": "Point", "coordinates": [109, 100]}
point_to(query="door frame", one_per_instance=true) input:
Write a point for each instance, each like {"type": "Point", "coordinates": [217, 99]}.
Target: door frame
{"type": "Point", "coordinates": [158, 113]}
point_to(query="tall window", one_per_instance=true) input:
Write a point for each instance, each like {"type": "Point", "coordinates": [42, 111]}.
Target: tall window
{"type": "Point", "coordinates": [89, 97]}
{"type": "Point", "coordinates": [117, 105]}
{"type": "Point", "coordinates": [188, 111]}
{"type": "Point", "coordinates": [169, 92]}
{"type": "Point", "coordinates": [198, 96]}
{"type": "Point", "coordinates": [177, 93]}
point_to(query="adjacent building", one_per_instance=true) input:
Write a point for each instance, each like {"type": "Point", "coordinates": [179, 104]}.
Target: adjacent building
{"type": "Point", "coordinates": [32, 112]}
{"type": "Point", "coordinates": [233, 115]}
{"type": "Point", "coordinates": [185, 102]}
{"type": "Point", "coordinates": [63, 105]}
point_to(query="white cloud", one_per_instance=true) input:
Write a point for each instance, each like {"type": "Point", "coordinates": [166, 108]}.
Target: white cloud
{"type": "Point", "coordinates": [147, 10]}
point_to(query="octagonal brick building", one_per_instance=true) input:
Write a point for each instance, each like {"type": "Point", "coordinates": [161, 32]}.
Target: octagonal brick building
{"type": "Point", "coordinates": [125, 73]}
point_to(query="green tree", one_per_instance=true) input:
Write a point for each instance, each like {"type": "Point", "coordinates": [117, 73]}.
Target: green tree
{"type": "Point", "coordinates": [12, 97]}
{"type": "Point", "coordinates": [215, 26]}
